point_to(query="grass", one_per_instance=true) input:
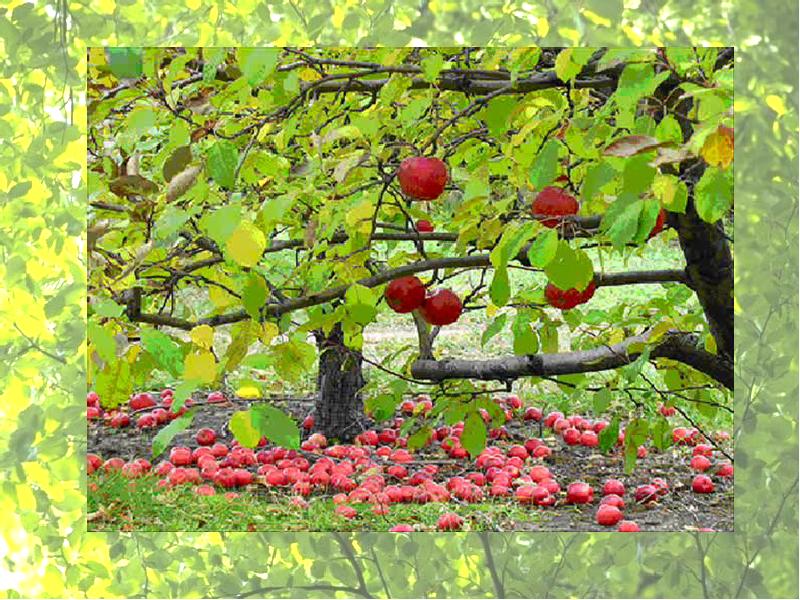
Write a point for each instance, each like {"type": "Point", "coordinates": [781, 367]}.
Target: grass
{"type": "Point", "coordinates": [139, 505]}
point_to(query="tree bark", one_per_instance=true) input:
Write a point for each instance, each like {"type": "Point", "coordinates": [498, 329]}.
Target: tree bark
{"type": "Point", "coordinates": [339, 409]}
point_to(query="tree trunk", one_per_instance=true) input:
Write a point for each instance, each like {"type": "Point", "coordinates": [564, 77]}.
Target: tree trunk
{"type": "Point", "coordinates": [339, 411]}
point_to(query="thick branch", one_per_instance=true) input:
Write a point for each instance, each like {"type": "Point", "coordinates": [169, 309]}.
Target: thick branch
{"type": "Point", "coordinates": [681, 347]}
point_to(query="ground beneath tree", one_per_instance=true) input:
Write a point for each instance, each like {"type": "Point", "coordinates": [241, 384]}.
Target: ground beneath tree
{"type": "Point", "coordinates": [679, 510]}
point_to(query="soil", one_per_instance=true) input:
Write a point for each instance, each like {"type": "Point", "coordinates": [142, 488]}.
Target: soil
{"type": "Point", "coordinates": [680, 510]}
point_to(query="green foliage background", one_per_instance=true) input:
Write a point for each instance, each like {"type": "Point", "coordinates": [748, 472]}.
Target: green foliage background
{"type": "Point", "coordinates": [44, 548]}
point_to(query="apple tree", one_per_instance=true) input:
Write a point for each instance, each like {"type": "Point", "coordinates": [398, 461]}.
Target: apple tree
{"type": "Point", "coordinates": [258, 208]}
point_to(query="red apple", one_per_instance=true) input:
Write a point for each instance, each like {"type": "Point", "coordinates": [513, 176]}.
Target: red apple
{"type": "Point", "coordinates": [405, 294]}
{"type": "Point", "coordinates": [205, 436]}
{"type": "Point", "coordinates": [659, 226]}
{"type": "Point", "coordinates": [571, 436]}
{"type": "Point", "coordinates": [401, 529]}
{"type": "Point", "coordinates": [725, 470]}
{"type": "Point", "coordinates": [92, 413]}
{"type": "Point", "coordinates": [215, 397]}
{"type": "Point", "coordinates": [608, 515]}
{"type": "Point", "coordinates": [146, 421]}
{"type": "Point", "coordinates": [667, 411]}
{"type": "Point", "coordinates": [180, 456]}
{"type": "Point", "coordinates": [589, 439]}
{"type": "Point", "coordinates": [700, 463]}
{"type": "Point", "coordinates": [567, 299]}
{"type": "Point", "coordinates": [143, 400]}
{"type": "Point", "coordinates": [204, 490]}
{"type": "Point", "coordinates": [702, 484]}
{"type": "Point", "coordinates": [645, 493]}
{"type": "Point", "coordinates": [422, 178]}
{"type": "Point", "coordinates": [93, 462]}
{"type": "Point", "coordinates": [92, 399]}
{"type": "Point", "coordinates": [613, 486]}
{"type": "Point", "coordinates": [424, 226]}
{"type": "Point", "coordinates": [628, 527]}
{"type": "Point", "coordinates": [308, 423]}
{"type": "Point", "coordinates": [113, 464]}
{"type": "Point", "coordinates": [532, 414]}
{"type": "Point", "coordinates": [579, 493]}
{"type": "Point", "coordinates": [120, 420]}
{"type": "Point", "coordinates": [552, 418]}
{"type": "Point", "coordinates": [613, 500]}
{"type": "Point", "coordinates": [449, 522]}
{"type": "Point", "coordinates": [441, 307]}
{"type": "Point", "coordinates": [554, 202]}
{"type": "Point", "coordinates": [524, 494]}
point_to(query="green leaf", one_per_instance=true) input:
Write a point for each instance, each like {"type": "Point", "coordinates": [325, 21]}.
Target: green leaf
{"type": "Point", "coordinates": [274, 424]}
{"type": "Point", "coordinates": [114, 383]}
{"type": "Point", "coordinates": [647, 219]}
{"type": "Point", "coordinates": [543, 169]}
{"type": "Point", "coordinates": [418, 439]}
{"type": "Point", "coordinates": [257, 63]}
{"type": "Point", "coordinates": [495, 327]}
{"type": "Point", "coordinates": [601, 400]}
{"type": "Point", "coordinates": [473, 438]}
{"type": "Point", "coordinates": [621, 221]}
{"type": "Point", "coordinates": [636, 432]}
{"type": "Point", "coordinates": [254, 295]}
{"type": "Point", "coordinates": [669, 130]}
{"type": "Point", "coordinates": [497, 114]}
{"type": "Point", "coordinates": [596, 177]}
{"type": "Point", "coordinates": [360, 304]}
{"type": "Point", "coordinates": [212, 58]}
{"type": "Point", "coordinates": [106, 307]}
{"type": "Point", "coordinates": [713, 194]}
{"type": "Point", "coordinates": [125, 63]}
{"type": "Point", "coordinates": [243, 429]}
{"type": "Point", "coordinates": [570, 61]}
{"type": "Point", "coordinates": [103, 341]}
{"type": "Point", "coordinates": [607, 438]}
{"type": "Point", "coordinates": [19, 189]}
{"type": "Point", "coordinates": [183, 391]}
{"type": "Point", "coordinates": [543, 249]}
{"type": "Point", "coordinates": [525, 338]}
{"type": "Point", "coordinates": [141, 120]}
{"type": "Point", "coordinates": [638, 174]}
{"type": "Point", "coordinates": [661, 433]}
{"type": "Point", "coordinates": [431, 66]}
{"type": "Point", "coordinates": [636, 81]}
{"type": "Point", "coordinates": [220, 224]}
{"type": "Point", "coordinates": [164, 350]}
{"type": "Point", "coordinates": [293, 358]}
{"type": "Point", "coordinates": [514, 237]}
{"type": "Point", "coordinates": [166, 434]}
{"type": "Point", "coordinates": [569, 268]}
{"type": "Point", "coordinates": [631, 371]}
{"type": "Point", "coordinates": [500, 288]}
{"type": "Point", "coordinates": [381, 407]}
{"type": "Point", "coordinates": [223, 157]}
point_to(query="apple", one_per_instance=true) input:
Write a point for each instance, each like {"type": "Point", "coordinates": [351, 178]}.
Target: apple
{"type": "Point", "coordinates": [667, 411]}
{"type": "Point", "coordinates": [242, 476]}
{"type": "Point", "coordinates": [725, 470]}
{"type": "Point", "coordinates": [424, 226]}
{"type": "Point", "coordinates": [700, 463]}
{"type": "Point", "coordinates": [659, 226]}
{"type": "Point", "coordinates": [571, 436]}
{"type": "Point", "coordinates": [554, 202]}
{"type": "Point", "coordinates": [514, 402]}
{"type": "Point", "coordinates": [449, 522]}
{"type": "Point", "coordinates": [560, 425]}
{"type": "Point", "coordinates": [204, 490]}
{"type": "Point", "coordinates": [166, 393]}
{"type": "Point", "coordinates": [599, 426]}
{"type": "Point", "coordinates": [140, 401]}
{"type": "Point", "coordinates": [161, 416]}
{"type": "Point", "coordinates": [532, 414]}
{"type": "Point", "coordinates": [180, 456]}
{"type": "Point", "coordinates": [641, 452]}
{"type": "Point", "coordinates": [422, 178]}
{"type": "Point", "coordinates": [567, 299]}
{"type": "Point", "coordinates": [613, 486]}
{"type": "Point", "coordinates": [402, 529]}
{"type": "Point", "coordinates": [702, 484]}
{"type": "Point", "coordinates": [645, 493]}
{"type": "Point", "coordinates": [662, 487]}
{"type": "Point", "coordinates": [146, 421]}
{"type": "Point", "coordinates": [405, 294]}
{"type": "Point", "coordinates": [205, 436]}
{"type": "Point", "coordinates": [92, 413]}
{"type": "Point", "coordinates": [608, 515]}
{"type": "Point", "coordinates": [552, 417]}
{"type": "Point", "coordinates": [308, 423]}
{"type": "Point", "coordinates": [120, 420]}
{"type": "Point", "coordinates": [441, 307]}
{"type": "Point", "coordinates": [524, 494]}
{"type": "Point", "coordinates": [579, 493]}
{"type": "Point", "coordinates": [93, 462]}
{"type": "Point", "coordinates": [613, 500]}
{"type": "Point", "coordinates": [215, 397]}
{"type": "Point", "coordinates": [225, 477]}
{"type": "Point", "coordinates": [628, 526]}
{"type": "Point", "coordinates": [589, 439]}
{"type": "Point", "coordinates": [348, 512]}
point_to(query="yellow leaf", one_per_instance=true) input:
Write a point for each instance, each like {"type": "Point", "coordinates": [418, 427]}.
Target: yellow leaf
{"type": "Point", "coordinates": [248, 392]}
{"type": "Point", "coordinates": [203, 336]}
{"type": "Point", "coordinates": [359, 218]}
{"type": "Point", "coordinates": [659, 330]}
{"type": "Point", "coordinates": [270, 332]}
{"type": "Point", "coordinates": [717, 150]}
{"type": "Point", "coordinates": [776, 103]}
{"type": "Point", "coordinates": [491, 310]}
{"type": "Point", "coordinates": [246, 245]}
{"type": "Point", "coordinates": [201, 367]}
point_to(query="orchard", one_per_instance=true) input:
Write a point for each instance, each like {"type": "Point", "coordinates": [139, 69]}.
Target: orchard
{"type": "Point", "coordinates": [411, 289]}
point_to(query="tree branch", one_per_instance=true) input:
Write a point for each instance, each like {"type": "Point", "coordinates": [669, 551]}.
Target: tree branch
{"type": "Point", "coordinates": [678, 346]}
